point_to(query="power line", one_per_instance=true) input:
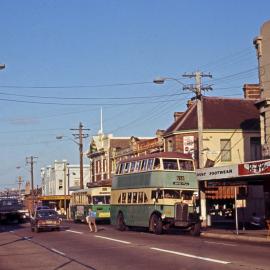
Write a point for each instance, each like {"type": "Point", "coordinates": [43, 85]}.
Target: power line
{"type": "Point", "coordinates": [83, 104]}
{"type": "Point", "coordinates": [75, 86]}
{"type": "Point", "coordinates": [88, 98]}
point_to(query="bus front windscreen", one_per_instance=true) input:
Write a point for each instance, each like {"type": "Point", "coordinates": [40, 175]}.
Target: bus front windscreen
{"type": "Point", "coordinates": [101, 199]}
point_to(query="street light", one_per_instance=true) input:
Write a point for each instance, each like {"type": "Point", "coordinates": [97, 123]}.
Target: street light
{"type": "Point", "coordinates": [161, 80]}
{"type": "Point", "coordinates": [2, 66]}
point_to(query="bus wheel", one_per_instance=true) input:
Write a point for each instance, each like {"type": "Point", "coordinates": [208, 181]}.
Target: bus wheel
{"type": "Point", "coordinates": [195, 229]}
{"type": "Point", "coordinates": [121, 226]}
{"type": "Point", "coordinates": [155, 224]}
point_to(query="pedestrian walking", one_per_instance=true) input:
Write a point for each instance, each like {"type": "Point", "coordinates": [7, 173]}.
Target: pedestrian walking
{"type": "Point", "coordinates": [91, 219]}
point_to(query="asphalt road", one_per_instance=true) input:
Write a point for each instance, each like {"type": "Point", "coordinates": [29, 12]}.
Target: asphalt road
{"type": "Point", "coordinates": [74, 247]}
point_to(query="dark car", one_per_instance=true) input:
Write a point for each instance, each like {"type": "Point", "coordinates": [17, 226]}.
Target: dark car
{"type": "Point", "coordinates": [45, 219]}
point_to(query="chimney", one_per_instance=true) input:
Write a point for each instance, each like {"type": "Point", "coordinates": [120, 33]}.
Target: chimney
{"type": "Point", "coordinates": [252, 91]}
{"type": "Point", "coordinates": [177, 115]}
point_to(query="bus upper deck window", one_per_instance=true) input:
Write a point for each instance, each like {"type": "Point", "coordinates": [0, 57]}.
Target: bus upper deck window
{"type": "Point", "coordinates": [150, 164]}
{"type": "Point", "coordinates": [117, 169]}
{"type": "Point", "coordinates": [157, 164]}
{"type": "Point", "coordinates": [138, 165]}
{"type": "Point", "coordinates": [132, 166]}
{"type": "Point", "coordinates": [126, 170]}
{"type": "Point", "coordinates": [186, 165]}
{"type": "Point", "coordinates": [122, 166]}
{"type": "Point", "coordinates": [170, 164]}
{"type": "Point", "coordinates": [144, 165]}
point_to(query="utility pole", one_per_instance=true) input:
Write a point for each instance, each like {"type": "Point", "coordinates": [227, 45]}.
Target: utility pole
{"type": "Point", "coordinates": [80, 136]}
{"type": "Point", "coordinates": [31, 160]}
{"type": "Point", "coordinates": [197, 89]}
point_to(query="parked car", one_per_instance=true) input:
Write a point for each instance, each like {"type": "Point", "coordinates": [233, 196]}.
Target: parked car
{"type": "Point", "coordinates": [46, 219]}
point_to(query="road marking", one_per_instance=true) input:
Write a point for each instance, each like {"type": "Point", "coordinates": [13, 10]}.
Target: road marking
{"type": "Point", "coordinates": [11, 231]}
{"type": "Point", "coordinates": [190, 256]}
{"type": "Point", "coordinates": [217, 243]}
{"type": "Point", "coordinates": [74, 231]}
{"type": "Point", "coordinates": [57, 251]}
{"type": "Point", "coordinates": [112, 239]}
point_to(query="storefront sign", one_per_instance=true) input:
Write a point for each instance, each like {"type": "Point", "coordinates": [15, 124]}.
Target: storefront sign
{"type": "Point", "coordinates": [254, 168]}
{"type": "Point", "coordinates": [217, 172]}
{"type": "Point", "coordinates": [149, 144]}
{"type": "Point", "coordinates": [53, 197]}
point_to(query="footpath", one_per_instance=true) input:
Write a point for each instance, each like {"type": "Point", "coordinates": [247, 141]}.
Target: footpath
{"type": "Point", "coordinates": [257, 236]}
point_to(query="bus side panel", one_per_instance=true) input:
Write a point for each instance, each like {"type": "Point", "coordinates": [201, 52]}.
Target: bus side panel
{"type": "Point", "coordinates": [134, 215]}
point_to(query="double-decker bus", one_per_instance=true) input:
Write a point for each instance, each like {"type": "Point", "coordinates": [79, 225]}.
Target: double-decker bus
{"type": "Point", "coordinates": [97, 197]}
{"type": "Point", "coordinates": [157, 191]}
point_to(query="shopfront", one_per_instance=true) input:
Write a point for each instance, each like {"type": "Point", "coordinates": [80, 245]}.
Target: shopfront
{"type": "Point", "coordinates": [244, 186]}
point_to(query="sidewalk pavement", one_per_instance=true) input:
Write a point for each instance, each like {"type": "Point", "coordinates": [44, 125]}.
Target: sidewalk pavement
{"type": "Point", "coordinates": [258, 236]}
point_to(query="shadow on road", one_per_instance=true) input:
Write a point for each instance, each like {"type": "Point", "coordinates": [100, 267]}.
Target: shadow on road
{"type": "Point", "coordinates": [9, 226]}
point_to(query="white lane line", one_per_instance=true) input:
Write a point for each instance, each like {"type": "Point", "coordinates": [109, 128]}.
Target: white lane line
{"type": "Point", "coordinates": [11, 231]}
{"type": "Point", "coordinates": [57, 251]}
{"type": "Point", "coordinates": [74, 231]}
{"type": "Point", "coordinates": [190, 256]}
{"type": "Point", "coordinates": [224, 244]}
{"type": "Point", "coordinates": [112, 239]}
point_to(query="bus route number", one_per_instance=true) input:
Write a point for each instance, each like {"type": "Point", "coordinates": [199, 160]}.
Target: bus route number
{"type": "Point", "coordinates": [181, 181]}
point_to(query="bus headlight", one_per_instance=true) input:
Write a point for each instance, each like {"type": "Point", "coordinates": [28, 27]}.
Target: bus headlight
{"type": "Point", "coordinates": [163, 216]}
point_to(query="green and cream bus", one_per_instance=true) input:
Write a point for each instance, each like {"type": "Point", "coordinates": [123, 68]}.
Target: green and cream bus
{"type": "Point", "coordinates": [97, 197]}
{"type": "Point", "coordinates": [157, 191]}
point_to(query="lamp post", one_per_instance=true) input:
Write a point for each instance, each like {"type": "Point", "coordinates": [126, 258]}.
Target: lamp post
{"type": "Point", "coordinates": [2, 66]}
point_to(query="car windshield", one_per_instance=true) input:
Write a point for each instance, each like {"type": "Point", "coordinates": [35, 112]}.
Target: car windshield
{"type": "Point", "coordinates": [46, 214]}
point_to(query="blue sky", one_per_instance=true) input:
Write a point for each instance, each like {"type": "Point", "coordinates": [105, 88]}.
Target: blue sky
{"type": "Point", "coordinates": [66, 59]}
